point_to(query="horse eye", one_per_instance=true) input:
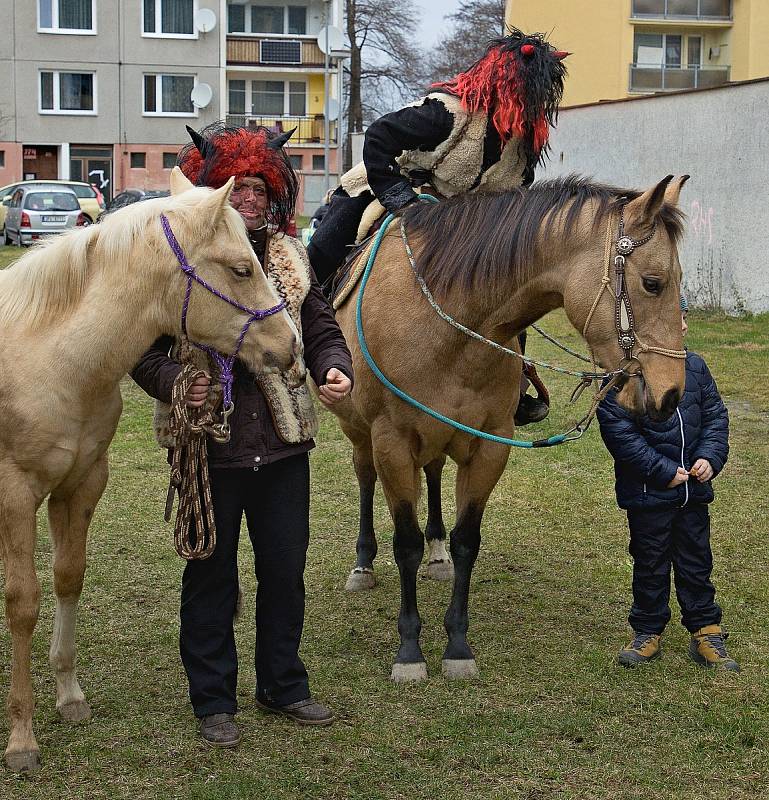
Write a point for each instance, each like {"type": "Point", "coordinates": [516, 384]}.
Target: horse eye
{"type": "Point", "coordinates": [242, 272]}
{"type": "Point", "coordinates": [652, 285]}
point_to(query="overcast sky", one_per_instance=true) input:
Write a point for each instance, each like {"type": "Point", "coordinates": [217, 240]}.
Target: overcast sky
{"type": "Point", "coordinates": [433, 12]}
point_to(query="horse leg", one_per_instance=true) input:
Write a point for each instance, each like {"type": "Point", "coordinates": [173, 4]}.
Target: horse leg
{"type": "Point", "coordinates": [69, 519]}
{"type": "Point", "coordinates": [362, 577]}
{"type": "Point", "coordinates": [401, 482]}
{"type": "Point", "coordinates": [475, 481]}
{"type": "Point", "coordinates": [439, 566]}
{"type": "Point", "coordinates": [22, 606]}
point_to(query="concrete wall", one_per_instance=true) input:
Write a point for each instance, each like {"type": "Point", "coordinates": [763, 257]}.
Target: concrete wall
{"type": "Point", "coordinates": [720, 138]}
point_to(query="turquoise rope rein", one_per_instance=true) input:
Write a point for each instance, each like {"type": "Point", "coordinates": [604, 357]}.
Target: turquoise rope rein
{"type": "Point", "coordinates": [549, 442]}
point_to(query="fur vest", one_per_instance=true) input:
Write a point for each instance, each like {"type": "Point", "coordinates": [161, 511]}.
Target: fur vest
{"type": "Point", "coordinates": [287, 394]}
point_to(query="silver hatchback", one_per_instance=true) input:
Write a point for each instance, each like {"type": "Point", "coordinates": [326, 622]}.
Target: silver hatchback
{"type": "Point", "coordinates": [40, 210]}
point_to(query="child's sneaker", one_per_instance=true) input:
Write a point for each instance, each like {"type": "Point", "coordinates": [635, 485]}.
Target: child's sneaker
{"type": "Point", "coordinates": [708, 649]}
{"type": "Point", "coordinates": [643, 648]}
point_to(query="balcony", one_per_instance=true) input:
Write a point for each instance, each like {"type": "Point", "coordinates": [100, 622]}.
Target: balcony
{"type": "Point", "coordinates": [270, 51]}
{"type": "Point", "coordinates": [683, 10]}
{"type": "Point", "coordinates": [309, 130]}
{"type": "Point", "coordinates": [646, 78]}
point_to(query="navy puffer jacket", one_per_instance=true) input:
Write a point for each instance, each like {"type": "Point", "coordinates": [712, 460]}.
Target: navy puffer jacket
{"type": "Point", "coordinates": [647, 454]}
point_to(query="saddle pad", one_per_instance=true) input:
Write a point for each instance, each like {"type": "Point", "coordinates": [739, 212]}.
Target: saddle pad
{"type": "Point", "coordinates": [356, 270]}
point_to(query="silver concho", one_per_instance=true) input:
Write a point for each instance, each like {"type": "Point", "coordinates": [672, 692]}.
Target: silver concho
{"type": "Point", "coordinates": [626, 341]}
{"type": "Point", "coordinates": [625, 245]}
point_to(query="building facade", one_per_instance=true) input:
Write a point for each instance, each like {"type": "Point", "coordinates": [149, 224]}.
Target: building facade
{"type": "Point", "coordinates": [622, 48]}
{"type": "Point", "coordinates": [101, 90]}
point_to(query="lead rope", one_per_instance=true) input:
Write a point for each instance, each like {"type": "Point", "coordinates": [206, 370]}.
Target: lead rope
{"type": "Point", "coordinates": [189, 466]}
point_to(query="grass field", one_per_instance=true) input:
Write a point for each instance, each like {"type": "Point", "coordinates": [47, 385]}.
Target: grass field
{"type": "Point", "coordinates": [551, 715]}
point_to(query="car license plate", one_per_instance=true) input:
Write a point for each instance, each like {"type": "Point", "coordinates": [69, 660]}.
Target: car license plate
{"type": "Point", "coordinates": [48, 218]}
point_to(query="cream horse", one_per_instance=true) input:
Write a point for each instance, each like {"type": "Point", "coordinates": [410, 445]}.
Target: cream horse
{"type": "Point", "coordinates": [497, 263]}
{"type": "Point", "coordinates": [76, 313]}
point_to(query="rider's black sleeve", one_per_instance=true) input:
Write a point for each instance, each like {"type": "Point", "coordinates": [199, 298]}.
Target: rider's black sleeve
{"type": "Point", "coordinates": [421, 127]}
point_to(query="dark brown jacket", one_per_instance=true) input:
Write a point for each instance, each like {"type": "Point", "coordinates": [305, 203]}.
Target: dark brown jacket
{"type": "Point", "coordinates": [254, 441]}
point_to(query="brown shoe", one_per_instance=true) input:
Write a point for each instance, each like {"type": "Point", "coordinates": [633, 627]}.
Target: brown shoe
{"type": "Point", "coordinates": [220, 730]}
{"type": "Point", "coordinates": [708, 649]}
{"type": "Point", "coordinates": [643, 648]}
{"type": "Point", "coordinates": [305, 712]}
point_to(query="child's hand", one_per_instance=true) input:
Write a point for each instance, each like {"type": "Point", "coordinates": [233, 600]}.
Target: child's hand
{"type": "Point", "coordinates": [702, 470]}
{"type": "Point", "coordinates": [682, 476]}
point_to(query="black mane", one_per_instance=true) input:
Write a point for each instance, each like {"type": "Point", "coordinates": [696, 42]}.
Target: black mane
{"type": "Point", "coordinates": [486, 239]}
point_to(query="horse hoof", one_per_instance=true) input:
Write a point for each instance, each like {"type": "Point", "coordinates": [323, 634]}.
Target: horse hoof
{"type": "Point", "coordinates": [25, 761]}
{"type": "Point", "coordinates": [460, 669]}
{"type": "Point", "coordinates": [75, 712]}
{"type": "Point", "coordinates": [360, 580]}
{"type": "Point", "coordinates": [439, 571]}
{"type": "Point", "coordinates": [409, 673]}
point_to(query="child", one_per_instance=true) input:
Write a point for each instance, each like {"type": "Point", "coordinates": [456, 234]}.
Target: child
{"type": "Point", "coordinates": [663, 480]}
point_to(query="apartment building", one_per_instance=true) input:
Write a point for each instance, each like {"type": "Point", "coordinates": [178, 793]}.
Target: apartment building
{"type": "Point", "coordinates": [101, 90]}
{"type": "Point", "coordinates": [623, 48]}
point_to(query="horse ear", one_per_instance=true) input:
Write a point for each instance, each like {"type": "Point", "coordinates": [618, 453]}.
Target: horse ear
{"type": "Point", "coordinates": [179, 182]}
{"type": "Point", "coordinates": [218, 200]}
{"type": "Point", "coordinates": [279, 141]}
{"type": "Point", "coordinates": [644, 209]}
{"type": "Point", "coordinates": [673, 191]}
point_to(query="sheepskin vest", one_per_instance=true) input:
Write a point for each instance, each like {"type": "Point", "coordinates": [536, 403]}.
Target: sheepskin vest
{"type": "Point", "coordinates": [287, 394]}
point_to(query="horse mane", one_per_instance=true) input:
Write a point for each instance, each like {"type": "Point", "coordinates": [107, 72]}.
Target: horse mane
{"type": "Point", "coordinates": [489, 240]}
{"type": "Point", "coordinates": [47, 283]}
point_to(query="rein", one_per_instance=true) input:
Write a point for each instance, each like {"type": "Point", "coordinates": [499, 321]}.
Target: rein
{"type": "Point", "coordinates": [190, 426]}
{"type": "Point", "coordinates": [624, 324]}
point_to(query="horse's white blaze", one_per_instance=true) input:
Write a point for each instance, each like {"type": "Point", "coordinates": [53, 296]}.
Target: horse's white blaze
{"type": "Point", "coordinates": [62, 652]}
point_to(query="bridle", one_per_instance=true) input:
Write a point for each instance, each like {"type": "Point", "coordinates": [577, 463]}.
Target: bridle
{"type": "Point", "coordinates": [624, 322]}
{"type": "Point", "coordinates": [224, 363]}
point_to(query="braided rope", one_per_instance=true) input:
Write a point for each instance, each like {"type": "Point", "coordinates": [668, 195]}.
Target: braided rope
{"type": "Point", "coordinates": [189, 469]}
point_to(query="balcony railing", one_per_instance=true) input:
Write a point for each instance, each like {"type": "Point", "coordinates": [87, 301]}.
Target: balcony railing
{"type": "Point", "coordinates": [683, 9]}
{"type": "Point", "coordinates": [309, 129]}
{"type": "Point", "coordinates": [251, 50]}
{"type": "Point", "coordinates": [671, 79]}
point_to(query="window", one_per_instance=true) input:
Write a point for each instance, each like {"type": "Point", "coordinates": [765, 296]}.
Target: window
{"type": "Point", "coordinates": [171, 18]}
{"type": "Point", "coordinates": [237, 97]}
{"type": "Point", "coordinates": [66, 16]}
{"type": "Point", "coordinates": [297, 20]}
{"type": "Point", "coordinates": [2, 158]}
{"type": "Point", "coordinates": [169, 160]}
{"type": "Point", "coordinates": [267, 19]}
{"type": "Point", "coordinates": [694, 55]}
{"type": "Point", "coordinates": [67, 93]}
{"type": "Point", "coordinates": [236, 18]}
{"type": "Point", "coordinates": [296, 161]}
{"type": "Point", "coordinates": [267, 98]}
{"type": "Point", "coordinates": [657, 50]}
{"type": "Point", "coordinates": [51, 201]}
{"type": "Point", "coordinates": [297, 98]}
{"type": "Point", "coordinates": [82, 191]}
{"type": "Point", "coordinates": [138, 160]}
{"type": "Point", "coordinates": [319, 163]}
{"type": "Point", "coordinates": [169, 95]}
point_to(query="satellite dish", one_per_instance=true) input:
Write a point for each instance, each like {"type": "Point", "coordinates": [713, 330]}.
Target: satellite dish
{"type": "Point", "coordinates": [205, 20]}
{"type": "Point", "coordinates": [201, 95]}
{"type": "Point", "coordinates": [335, 39]}
{"type": "Point", "coordinates": [333, 109]}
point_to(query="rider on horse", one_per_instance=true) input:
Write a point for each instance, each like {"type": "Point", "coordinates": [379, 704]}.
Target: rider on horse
{"type": "Point", "coordinates": [485, 130]}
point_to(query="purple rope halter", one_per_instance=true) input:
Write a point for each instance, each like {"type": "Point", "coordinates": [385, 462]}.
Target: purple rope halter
{"type": "Point", "coordinates": [224, 363]}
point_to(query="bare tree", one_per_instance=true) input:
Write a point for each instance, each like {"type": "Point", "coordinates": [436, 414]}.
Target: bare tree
{"type": "Point", "coordinates": [386, 67]}
{"type": "Point", "coordinates": [473, 24]}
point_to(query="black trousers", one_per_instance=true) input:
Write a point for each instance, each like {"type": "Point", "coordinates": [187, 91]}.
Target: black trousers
{"type": "Point", "coordinates": [681, 537]}
{"type": "Point", "coordinates": [276, 502]}
{"type": "Point", "coordinates": [336, 233]}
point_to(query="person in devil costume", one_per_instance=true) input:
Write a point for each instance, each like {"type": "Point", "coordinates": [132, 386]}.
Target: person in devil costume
{"type": "Point", "coordinates": [485, 130]}
{"type": "Point", "coordinates": [263, 471]}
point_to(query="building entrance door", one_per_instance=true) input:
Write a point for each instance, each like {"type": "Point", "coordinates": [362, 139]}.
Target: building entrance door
{"type": "Point", "coordinates": [92, 165]}
{"type": "Point", "coordinates": [41, 162]}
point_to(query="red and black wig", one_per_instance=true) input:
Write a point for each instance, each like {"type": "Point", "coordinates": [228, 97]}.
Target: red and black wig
{"type": "Point", "coordinates": [519, 82]}
{"type": "Point", "coordinates": [220, 151]}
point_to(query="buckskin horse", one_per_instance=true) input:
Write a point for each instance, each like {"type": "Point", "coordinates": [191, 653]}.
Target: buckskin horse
{"type": "Point", "coordinates": [496, 263]}
{"type": "Point", "coordinates": [76, 313]}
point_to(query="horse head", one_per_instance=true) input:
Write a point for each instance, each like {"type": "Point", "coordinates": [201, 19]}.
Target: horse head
{"type": "Point", "coordinates": [214, 240]}
{"type": "Point", "coordinates": [639, 330]}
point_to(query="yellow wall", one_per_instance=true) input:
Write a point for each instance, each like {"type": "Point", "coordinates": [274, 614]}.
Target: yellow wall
{"type": "Point", "coordinates": [315, 94]}
{"type": "Point", "coordinates": [600, 36]}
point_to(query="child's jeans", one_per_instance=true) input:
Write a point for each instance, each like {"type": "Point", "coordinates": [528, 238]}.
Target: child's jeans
{"type": "Point", "coordinates": [681, 536]}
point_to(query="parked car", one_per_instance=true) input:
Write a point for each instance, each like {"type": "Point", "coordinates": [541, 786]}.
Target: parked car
{"type": "Point", "coordinates": [89, 197]}
{"type": "Point", "coordinates": [128, 196]}
{"type": "Point", "coordinates": [38, 210]}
